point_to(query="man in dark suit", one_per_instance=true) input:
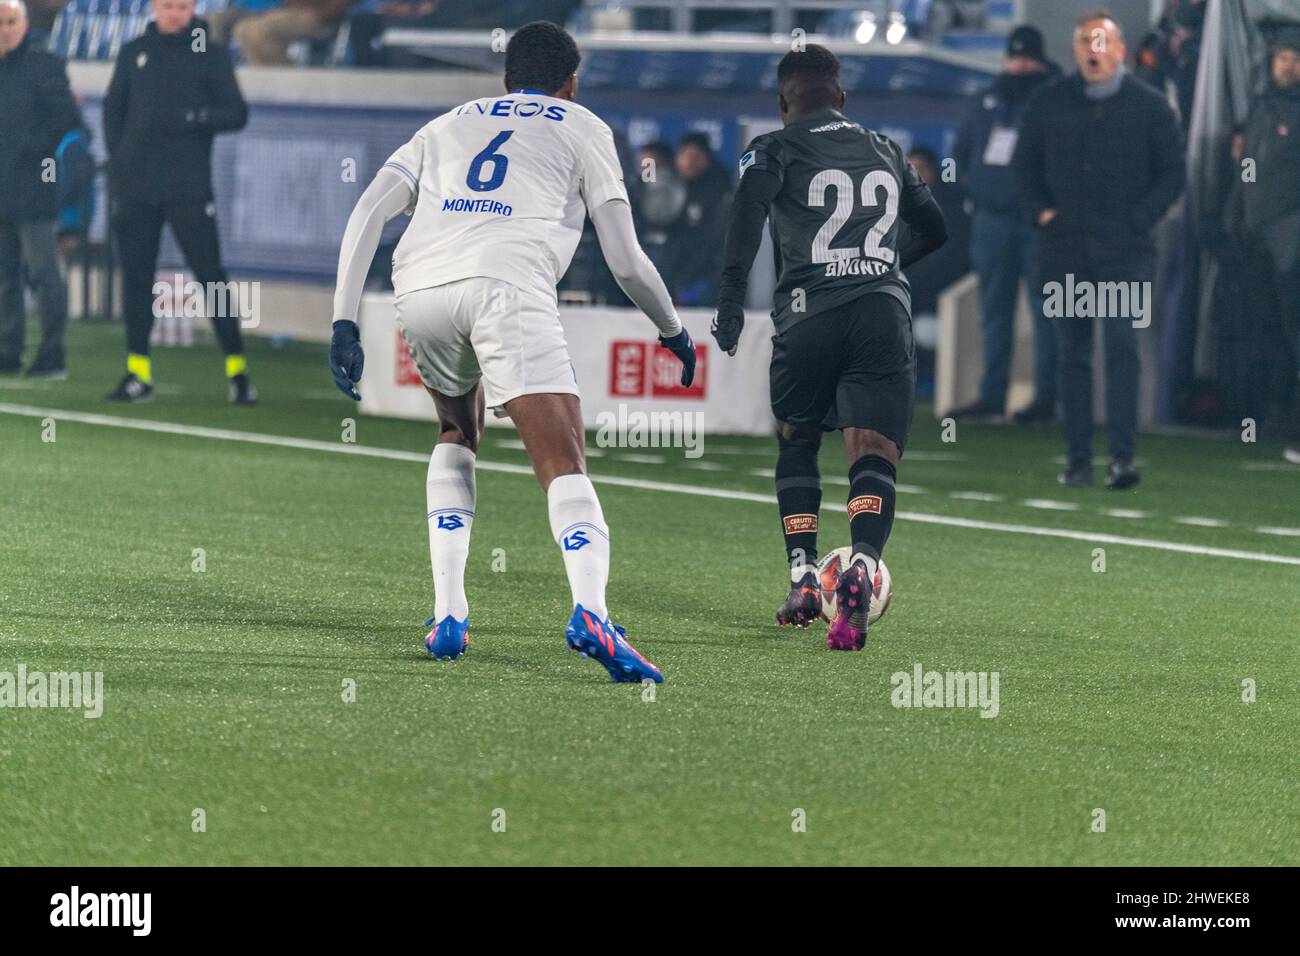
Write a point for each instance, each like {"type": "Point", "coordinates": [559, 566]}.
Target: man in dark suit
{"type": "Point", "coordinates": [1100, 161]}
{"type": "Point", "coordinates": [36, 111]}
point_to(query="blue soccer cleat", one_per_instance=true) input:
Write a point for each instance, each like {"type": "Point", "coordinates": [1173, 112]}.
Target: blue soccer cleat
{"type": "Point", "coordinates": [606, 643]}
{"type": "Point", "coordinates": [448, 640]}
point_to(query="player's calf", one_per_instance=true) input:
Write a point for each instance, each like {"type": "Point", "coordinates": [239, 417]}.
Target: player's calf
{"type": "Point", "coordinates": [799, 496]}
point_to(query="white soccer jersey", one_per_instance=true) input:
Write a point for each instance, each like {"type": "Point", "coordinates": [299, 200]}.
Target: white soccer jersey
{"type": "Point", "coordinates": [500, 186]}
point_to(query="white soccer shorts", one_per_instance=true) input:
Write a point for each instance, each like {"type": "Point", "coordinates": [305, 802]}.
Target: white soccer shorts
{"type": "Point", "coordinates": [488, 330]}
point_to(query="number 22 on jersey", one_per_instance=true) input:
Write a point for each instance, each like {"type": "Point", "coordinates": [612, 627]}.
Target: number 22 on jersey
{"type": "Point", "coordinates": [872, 246]}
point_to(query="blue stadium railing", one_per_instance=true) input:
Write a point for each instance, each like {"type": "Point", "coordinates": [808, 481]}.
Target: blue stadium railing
{"type": "Point", "coordinates": [96, 29]}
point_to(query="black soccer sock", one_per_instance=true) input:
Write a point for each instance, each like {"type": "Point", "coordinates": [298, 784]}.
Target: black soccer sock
{"type": "Point", "coordinates": [229, 337]}
{"type": "Point", "coordinates": [871, 504]}
{"type": "Point", "coordinates": [799, 496]}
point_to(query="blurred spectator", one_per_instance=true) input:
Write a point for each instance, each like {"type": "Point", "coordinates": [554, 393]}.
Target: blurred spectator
{"type": "Point", "coordinates": [957, 14]}
{"type": "Point", "coordinates": [36, 112]}
{"type": "Point", "coordinates": [41, 15]}
{"type": "Point", "coordinates": [589, 278]}
{"type": "Point", "coordinates": [168, 97]}
{"type": "Point", "coordinates": [701, 227]}
{"type": "Point", "coordinates": [1267, 220]}
{"type": "Point", "coordinates": [929, 277]}
{"type": "Point", "coordinates": [76, 171]}
{"type": "Point", "coordinates": [222, 22]}
{"type": "Point", "coordinates": [1171, 51]}
{"type": "Point", "coordinates": [265, 38]}
{"type": "Point", "coordinates": [1004, 243]}
{"type": "Point", "coordinates": [1100, 160]}
{"type": "Point", "coordinates": [658, 198]}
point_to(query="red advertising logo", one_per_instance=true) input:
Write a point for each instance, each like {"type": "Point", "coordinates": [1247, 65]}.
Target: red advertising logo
{"type": "Point", "coordinates": [666, 379]}
{"type": "Point", "coordinates": [627, 369]}
{"type": "Point", "coordinates": [405, 373]}
{"type": "Point", "coordinates": [638, 367]}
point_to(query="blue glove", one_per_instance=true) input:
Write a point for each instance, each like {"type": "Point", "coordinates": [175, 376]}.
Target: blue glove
{"type": "Point", "coordinates": [682, 346]}
{"type": "Point", "coordinates": [346, 358]}
{"type": "Point", "coordinates": [728, 323]}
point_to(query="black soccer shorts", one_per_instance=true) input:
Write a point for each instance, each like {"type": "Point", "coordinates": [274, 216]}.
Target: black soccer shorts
{"type": "Point", "coordinates": [853, 366]}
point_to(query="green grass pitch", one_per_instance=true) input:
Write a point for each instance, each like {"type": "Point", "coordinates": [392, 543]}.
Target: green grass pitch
{"type": "Point", "coordinates": [224, 688]}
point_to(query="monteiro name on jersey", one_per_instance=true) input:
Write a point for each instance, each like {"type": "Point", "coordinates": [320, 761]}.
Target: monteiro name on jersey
{"type": "Point", "coordinates": [502, 187]}
{"type": "Point", "coordinates": [839, 190]}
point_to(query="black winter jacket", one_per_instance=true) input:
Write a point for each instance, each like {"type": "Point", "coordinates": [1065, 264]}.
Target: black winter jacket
{"type": "Point", "coordinates": [1272, 139]}
{"type": "Point", "coordinates": [169, 95]}
{"type": "Point", "coordinates": [37, 110]}
{"type": "Point", "coordinates": [1110, 168]}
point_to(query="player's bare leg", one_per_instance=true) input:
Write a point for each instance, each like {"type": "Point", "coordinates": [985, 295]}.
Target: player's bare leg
{"type": "Point", "coordinates": [550, 426]}
{"type": "Point", "coordinates": [873, 462]}
{"type": "Point", "coordinates": [460, 417]}
{"type": "Point", "coordinates": [451, 495]}
{"type": "Point", "coordinates": [799, 496]}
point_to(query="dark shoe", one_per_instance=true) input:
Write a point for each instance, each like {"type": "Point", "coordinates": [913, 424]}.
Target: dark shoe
{"type": "Point", "coordinates": [848, 632]}
{"type": "Point", "coordinates": [1121, 474]}
{"type": "Point", "coordinates": [131, 389]}
{"type": "Point", "coordinates": [1039, 413]}
{"type": "Point", "coordinates": [47, 368]}
{"type": "Point", "coordinates": [242, 391]}
{"type": "Point", "coordinates": [1077, 475]}
{"type": "Point", "coordinates": [804, 603]}
{"type": "Point", "coordinates": [977, 413]}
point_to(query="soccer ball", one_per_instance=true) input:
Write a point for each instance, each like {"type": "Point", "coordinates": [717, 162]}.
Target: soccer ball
{"type": "Point", "coordinates": [828, 578]}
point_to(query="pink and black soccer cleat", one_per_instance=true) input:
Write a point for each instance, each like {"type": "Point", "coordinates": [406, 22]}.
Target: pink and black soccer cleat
{"type": "Point", "coordinates": [804, 603]}
{"type": "Point", "coordinates": [848, 631]}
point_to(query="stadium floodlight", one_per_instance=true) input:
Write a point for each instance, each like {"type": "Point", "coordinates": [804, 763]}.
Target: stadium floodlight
{"type": "Point", "coordinates": [866, 29]}
{"type": "Point", "coordinates": [897, 29]}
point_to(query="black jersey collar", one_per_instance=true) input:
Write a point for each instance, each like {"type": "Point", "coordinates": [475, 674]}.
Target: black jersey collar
{"type": "Point", "coordinates": [827, 114]}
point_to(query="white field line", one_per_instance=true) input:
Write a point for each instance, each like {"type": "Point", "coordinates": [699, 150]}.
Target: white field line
{"type": "Point", "coordinates": [1126, 513]}
{"type": "Point", "coordinates": [1269, 466]}
{"type": "Point", "coordinates": [976, 496]}
{"type": "Point", "coordinates": [728, 494]}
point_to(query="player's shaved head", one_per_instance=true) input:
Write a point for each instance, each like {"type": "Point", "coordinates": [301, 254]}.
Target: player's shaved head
{"type": "Point", "coordinates": [809, 80]}
{"type": "Point", "coordinates": [542, 56]}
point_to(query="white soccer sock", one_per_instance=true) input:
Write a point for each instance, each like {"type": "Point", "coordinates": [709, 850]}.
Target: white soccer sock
{"type": "Point", "coordinates": [869, 561]}
{"type": "Point", "coordinates": [450, 496]}
{"type": "Point", "coordinates": [797, 572]}
{"type": "Point", "coordinates": [578, 526]}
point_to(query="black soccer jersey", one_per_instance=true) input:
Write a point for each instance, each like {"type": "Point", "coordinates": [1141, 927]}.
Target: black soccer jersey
{"type": "Point", "coordinates": [835, 219]}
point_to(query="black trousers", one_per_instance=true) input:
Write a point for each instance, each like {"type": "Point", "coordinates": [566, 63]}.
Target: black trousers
{"type": "Point", "coordinates": [1123, 366]}
{"type": "Point", "coordinates": [138, 228]}
{"type": "Point", "coordinates": [1274, 296]}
